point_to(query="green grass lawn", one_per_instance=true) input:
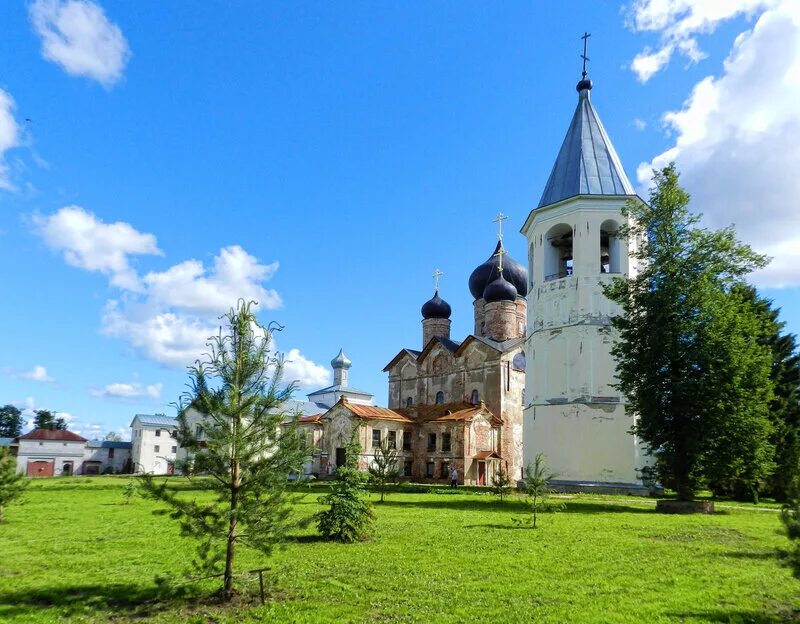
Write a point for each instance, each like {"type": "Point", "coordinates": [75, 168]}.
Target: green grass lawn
{"type": "Point", "coordinates": [74, 552]}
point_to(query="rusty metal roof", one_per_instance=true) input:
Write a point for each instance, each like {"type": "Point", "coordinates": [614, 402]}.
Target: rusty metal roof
{"type": "Point", "coordinates": [372, 412]}
{"type": "Point", "coordinates": [458, 410]}
{"type": "Point", "coordinates": [486, 455]}
{"type": "Point", "coordinates": [309, 420]}
{"type": "Point", "coordinates": [61, 435]}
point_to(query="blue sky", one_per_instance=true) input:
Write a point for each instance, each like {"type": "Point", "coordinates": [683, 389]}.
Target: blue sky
{"type": "Point", "coordinates": [358, 145]}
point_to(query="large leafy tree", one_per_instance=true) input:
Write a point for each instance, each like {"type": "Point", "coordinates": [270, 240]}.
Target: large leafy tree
{"type": "Point", "coordinates": [688, 356]}
{"type": "Point", "coordinates": [47, 419]}
{"type": "Point", "coordinates": [10, 421]}
{"type": "Point", "coordinates": [243, 445]}
{"type": "Point", "coordinates": [12, 483]}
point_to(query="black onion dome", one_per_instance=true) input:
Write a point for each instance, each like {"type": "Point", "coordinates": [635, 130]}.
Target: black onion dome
{"type": "Point", "coordinates": [436, 307]}
{"type": "Point", "coordinates": [487, 272]}
{"type": "Point", "coordinates": [500, 289]}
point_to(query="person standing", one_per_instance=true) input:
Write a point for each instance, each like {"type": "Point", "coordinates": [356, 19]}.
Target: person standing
{"type": "Point", "coordinates": [453, 477]}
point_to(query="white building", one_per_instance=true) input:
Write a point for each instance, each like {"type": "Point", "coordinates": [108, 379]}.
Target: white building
{"type": "Point", "coordinates": [49, 453]}
{"type": "Point", "coordinates": [328, 397]}
{"type": "Point", "coordinates": [154, 447]}
{"type": "Point", "coordinates": [56, 452]}
{"type": "Point", "coordinates": [573, 413]}
{"type": "Point", "coordinates": [107, 457]}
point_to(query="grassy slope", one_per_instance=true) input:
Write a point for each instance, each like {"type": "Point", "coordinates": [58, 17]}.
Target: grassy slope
{"type": "Point", "coordinates": [74, 550]}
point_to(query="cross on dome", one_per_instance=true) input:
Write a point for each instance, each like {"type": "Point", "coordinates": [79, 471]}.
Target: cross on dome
{"type": "Point", "coordinates": [436, 275]}
{"type": "Point", "coordinates": [499, 221]}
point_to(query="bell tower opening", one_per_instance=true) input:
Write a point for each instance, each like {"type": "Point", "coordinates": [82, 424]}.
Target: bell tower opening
{"type": "Point", "coordinates": [558, 261]}
{"type": "Point", "coordinates": [610, 247]}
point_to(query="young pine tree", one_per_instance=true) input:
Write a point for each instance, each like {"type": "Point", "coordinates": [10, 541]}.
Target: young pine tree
{"type": "Point", "coordinates": [692, 375]}
{"type": "Point", "coordinates": [12, 483]}
{"type": "Point", "coordinates": [501, 484]}
{"type": "Point", "coordinates": [129, 491]}
{"type": "Point", "coordinates": [384, 471]}
{"type": "Point", "coordinates": [349, 515]}
{"type": "Point", "coordinates": [537, 487]}
{"type": "Point", "coordinates": [247, 447]}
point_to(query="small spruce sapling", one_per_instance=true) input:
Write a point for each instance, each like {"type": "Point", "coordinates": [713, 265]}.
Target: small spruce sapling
{"type": "Point", "coordinates": [384, 471]}
{"type": "Point", "coordinates": [129, 490]}
{"type": "Point", "coordinates": [12, 483]}
{"type": "Point", "coordinates": [537, 487]}
{"type": "Point", "coordinates": [501, 484]}
{"type": "Point", "coordinates": [349, 515]}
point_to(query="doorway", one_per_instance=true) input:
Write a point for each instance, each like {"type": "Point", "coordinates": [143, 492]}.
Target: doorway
{"type": "Point", "coordinates": [481, 473]}
{"type": "Point", "coordinates": [66, 470]}
{"type": "Point", "coordinates": [341, 457]}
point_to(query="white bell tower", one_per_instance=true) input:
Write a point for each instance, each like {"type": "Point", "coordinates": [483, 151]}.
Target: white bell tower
{"type": "Point", "coordinates": [572, 413]}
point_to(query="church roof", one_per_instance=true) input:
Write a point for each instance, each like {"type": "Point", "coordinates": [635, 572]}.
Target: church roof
{"type": "Point", "coordinates": [587, 163]}
{"type": "Point", "coordinates": [443, 412]}
{"type": "Point", "coordinates": [371, 412]}
{"type": "Point", "coordinates": [303, 408]}
{"type": "Point", "coordinates": [340, 388]}
{"type": "Point", "coordinates": [456, 348]}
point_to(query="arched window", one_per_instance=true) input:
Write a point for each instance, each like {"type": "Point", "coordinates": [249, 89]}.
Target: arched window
{"type": "Point", "coordinates": [519, 362]}
{"type": "Point", "coordinates": [439, 397]}
{"type": "Point", "coordinates": [475, 398]}
{"type": "Point", "coordinates": [610, 248]}
{"type": "Point", "coordinates": [409, 402]}
{"type": "Point", "coordinates": [558, 252]}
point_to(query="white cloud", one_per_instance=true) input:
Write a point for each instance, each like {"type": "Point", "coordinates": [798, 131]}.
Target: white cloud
{"type": "Point", "coordinates": [9, 136]}
{"type": "Point", "coordinates": [639, 124]}
{"type": "Point", "coordinates": [77, 35]}
{"type": "Point", "coordinates": [736, 142]}
{"type": "Point", "coordinates": [167, 316]}
{"type": "Point", "coordinates": [128, 391]}
{"type": "Point", "coordinates": [678, 22]}
{"type": "Point", "coordinates": [305, 372]}
{"type": "Point", "coordinates": [89, 243]}
{"type": "Point", "coordinates": [167, 337]}
{"type": "Point", "coordinates": [648, 63]}
{"type": "Point", "coordinates": [236, 274]}
{"type": "Point", "coordinates": [37, 373]}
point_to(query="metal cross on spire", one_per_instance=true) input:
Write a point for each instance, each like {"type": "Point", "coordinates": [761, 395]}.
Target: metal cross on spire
{"type": "Point", "coordinates": [499, 221]}
{"type": "Point", "coordinates": [436, 275]}
{"type": "Point", "coordinates": [500, 253]}
{"type": "Point", "coordinates": [585, 58]}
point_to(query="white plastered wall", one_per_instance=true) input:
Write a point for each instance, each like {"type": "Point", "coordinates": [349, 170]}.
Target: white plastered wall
{"type": "Point", "coordinates": [573, 413]}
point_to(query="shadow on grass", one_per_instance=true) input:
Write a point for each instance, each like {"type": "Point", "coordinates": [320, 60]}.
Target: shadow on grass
{"type": "Point", "coordinates": [736, 616]}
{"type": "Point", "coordinates": [130, 599]}
{"type": "Point", "coordinates": [514, 506]}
